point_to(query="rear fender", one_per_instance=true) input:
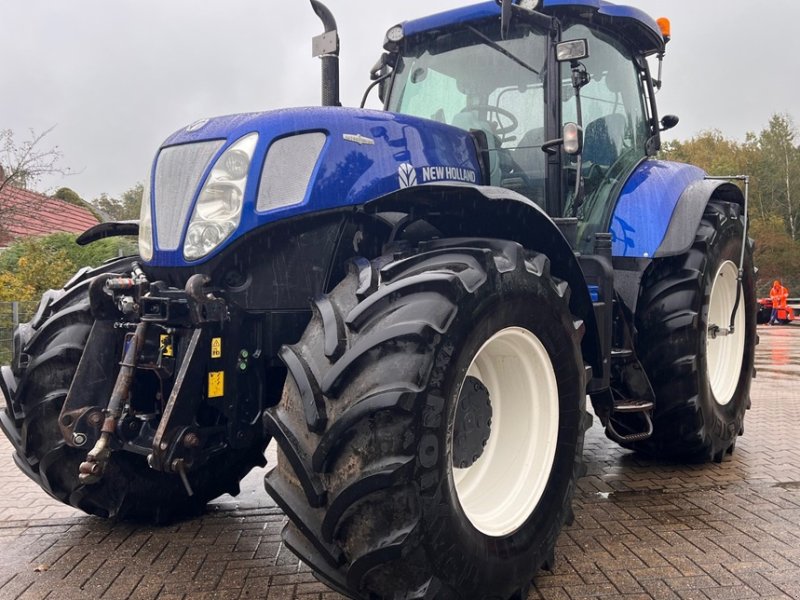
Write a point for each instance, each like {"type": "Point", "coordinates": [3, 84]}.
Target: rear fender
{"type": "Point", "coordinates": [660, 207]}
{"type": "Point", "coordinates": [691, 206]}
{"type": "Point", "coordinates": [460, 210]}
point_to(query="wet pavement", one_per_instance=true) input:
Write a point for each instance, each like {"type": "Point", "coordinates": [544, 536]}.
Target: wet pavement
{"type": "Point", "coordinates": [643, 529]}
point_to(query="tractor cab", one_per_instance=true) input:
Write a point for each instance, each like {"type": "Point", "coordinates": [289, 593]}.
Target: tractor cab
{"type": "Point", "coordinates": [470, 78]}
{"type": "Point", "coordinates": [517, 87]}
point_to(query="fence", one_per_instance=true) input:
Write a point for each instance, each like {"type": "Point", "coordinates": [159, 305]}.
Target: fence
{"type": "Point", "coordinates": [11, 315]}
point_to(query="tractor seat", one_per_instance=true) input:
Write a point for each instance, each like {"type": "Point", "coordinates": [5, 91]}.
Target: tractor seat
{"type": "Point", "coordinates": [602, 143]}
{"type": "Point", "coordinates": [469, 120]}
{"type": "Point", "coordinates": [529, 155]}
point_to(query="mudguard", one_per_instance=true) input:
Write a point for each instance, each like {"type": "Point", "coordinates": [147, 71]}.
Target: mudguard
{"type": "Point", "coordinates": [660, 208]}
{"type": "Point", "coordinates": [463, 210]}
{"type": "Point", "coordinates": [107, 230]}
{"type": "Point", "coordinates": [691, 206]}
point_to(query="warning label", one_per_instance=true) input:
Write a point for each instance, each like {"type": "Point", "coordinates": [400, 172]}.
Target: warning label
{"type": "Point", "coordinates": [216, 384]}
{"type": "Point", "coordinates": [216, 347]}
{"type": "Point", "coordinates": [165, 342]}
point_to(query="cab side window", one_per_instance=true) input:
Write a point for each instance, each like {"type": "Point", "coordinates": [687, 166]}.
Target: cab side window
{"type": "Point", "coordinates": [614, 117]}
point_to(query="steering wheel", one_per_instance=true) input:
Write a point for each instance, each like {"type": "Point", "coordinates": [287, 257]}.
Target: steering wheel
{"type": "Point", "coordinates": [501, 113]}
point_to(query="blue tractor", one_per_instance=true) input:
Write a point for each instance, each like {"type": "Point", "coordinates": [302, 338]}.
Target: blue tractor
{"type": "Point", "coordinates": [415, 303]}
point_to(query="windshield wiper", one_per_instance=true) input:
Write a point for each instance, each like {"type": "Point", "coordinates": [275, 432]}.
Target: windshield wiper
{"type": "Point", "coordinates": [495, 46]}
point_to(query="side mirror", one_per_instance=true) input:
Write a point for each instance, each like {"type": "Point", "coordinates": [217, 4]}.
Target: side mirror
{"type": "Point", "coordinates": [571, 140]}
{"type": "Point", "coordinates": [506, 13]}
{"type": "Point", "coordinates": [572, 50]}
{"type": "Point", "coordinates": [379, 68]}
{"type": "Point", "coordinates": [380, 74]}
{"type": "Point", "coordinates": [668, 122]}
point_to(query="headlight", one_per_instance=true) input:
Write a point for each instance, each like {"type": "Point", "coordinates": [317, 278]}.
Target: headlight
{"type": "Point", "coordinates": [146, 224]}
{"type": "Point", "coordinates": [219, 206]}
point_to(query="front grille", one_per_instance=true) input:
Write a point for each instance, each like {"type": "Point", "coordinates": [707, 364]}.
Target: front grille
{"type": "Point", "coordinates": [178, 176]}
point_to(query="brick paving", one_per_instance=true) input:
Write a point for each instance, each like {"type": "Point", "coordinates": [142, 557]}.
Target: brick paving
{"type": "Point", "coordinates": [643, 529]}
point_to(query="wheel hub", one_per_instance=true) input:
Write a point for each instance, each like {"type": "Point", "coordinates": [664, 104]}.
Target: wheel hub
{"type": "Point", "coordinates": [500, 490]}
{"type": "Point", "coordinates": [473, 423]}
{"type": "Point", "coordinates": [725, 347]}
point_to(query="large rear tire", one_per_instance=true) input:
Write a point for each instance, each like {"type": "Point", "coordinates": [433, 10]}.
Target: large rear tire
{"type": "Point", "coordinates": [53, 342]}
{"type": "Point", "coordinates": [701, 380]}
{"type": "Point", "coordinates": [431, 431]}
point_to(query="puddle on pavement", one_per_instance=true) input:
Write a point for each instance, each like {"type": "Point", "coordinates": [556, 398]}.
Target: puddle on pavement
{"type": "Point", "coordinates": [778, 353]}
{"type": "Point", "coordinates": [792, 486]}
{"type": "Point", "coordinates": [626, 494]}
{"type": "Point", "coordinates": [633, 494]}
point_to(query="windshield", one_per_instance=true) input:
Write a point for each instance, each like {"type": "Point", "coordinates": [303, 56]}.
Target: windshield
{"type": "Point", "coordinates": [471, 79]}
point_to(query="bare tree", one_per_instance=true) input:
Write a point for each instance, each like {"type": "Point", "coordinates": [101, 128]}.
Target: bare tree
{"type": "Point", "coordinates": [22, 165]}
{"type": "Point", "coordinates": [25, 163]}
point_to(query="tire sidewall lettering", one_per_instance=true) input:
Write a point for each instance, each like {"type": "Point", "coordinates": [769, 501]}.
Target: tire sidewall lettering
{"type": "Point", "coordinates": [458, 542]}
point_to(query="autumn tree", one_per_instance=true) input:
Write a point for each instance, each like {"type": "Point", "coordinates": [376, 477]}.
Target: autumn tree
{"type": "Point", "coordinates": [772, 159]}
{"type": "Point", "coordinates": [776, 255]}
{"type": "Point", "coordinates": [778, 172]}
{"type": "Point", "coordinates": [69, 195]}
{"type": "Point", "coordinates": [711, 151]}
{"type": "Point", "coordinates": [124, 208]}
{"type": "Point", "coordinates": [31, 266]}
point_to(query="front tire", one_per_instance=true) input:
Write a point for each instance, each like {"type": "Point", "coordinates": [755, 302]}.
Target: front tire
{"type": "Point", "coordinates": [396, 484]}
{"type": "Point", "coordinates": [54, 341]}
{"type": "Point", "coordinates": [701, 380]}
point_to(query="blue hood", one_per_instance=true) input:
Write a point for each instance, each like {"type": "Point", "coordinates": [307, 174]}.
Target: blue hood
{"type": "Point", "coordinates": [367, 154]}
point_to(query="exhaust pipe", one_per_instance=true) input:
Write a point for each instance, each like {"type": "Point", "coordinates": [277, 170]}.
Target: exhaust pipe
{"type": "Point", "coordinates": [326, 46]}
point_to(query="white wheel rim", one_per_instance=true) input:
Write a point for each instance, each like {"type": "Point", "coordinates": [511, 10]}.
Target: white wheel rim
{"type": "Point", "coordinates": [724, 354]}
{"type": "Point", "coordinates": [503, 487]}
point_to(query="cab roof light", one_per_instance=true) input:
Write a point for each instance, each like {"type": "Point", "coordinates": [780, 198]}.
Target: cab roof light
{"type": "Point", "coordinates": [666, 28]}
{"type": "Point", "coordinates": [393, 38]}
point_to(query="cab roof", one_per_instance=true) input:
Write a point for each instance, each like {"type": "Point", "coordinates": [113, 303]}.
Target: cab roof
{"type": "Point", "coordinates": [632, 23]}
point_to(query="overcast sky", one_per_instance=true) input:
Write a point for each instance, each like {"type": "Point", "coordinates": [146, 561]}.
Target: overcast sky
{"type": "Point", "coordinates": [116, 77]}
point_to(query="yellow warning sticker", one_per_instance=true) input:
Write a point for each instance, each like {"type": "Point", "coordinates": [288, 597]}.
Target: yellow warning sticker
{"type": "Point", "coordinates": [216, 384]}
{"type": "Point", "coordinates": [216, 348]}
{"type": "Point", "coordinates": [166, 345]}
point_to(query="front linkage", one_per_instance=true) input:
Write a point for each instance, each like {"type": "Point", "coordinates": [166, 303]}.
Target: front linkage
{"type": "Point", "coordinates": [187, 386]}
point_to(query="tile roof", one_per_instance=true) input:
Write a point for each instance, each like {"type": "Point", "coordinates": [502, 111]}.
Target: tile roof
{"type": "Point", "coordinates": [26, 213]}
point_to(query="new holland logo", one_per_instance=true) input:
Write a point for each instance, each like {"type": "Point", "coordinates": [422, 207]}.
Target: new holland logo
{"type": "Point", "coordinates": [448, 174]}
{"type": "Point", "coordinates": [197, 125]}
{"type": "Point", "coordinates": [408, 175]}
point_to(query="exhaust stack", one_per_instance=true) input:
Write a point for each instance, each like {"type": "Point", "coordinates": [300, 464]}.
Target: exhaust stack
{"type": "Point", "coordinates": [326, 46]}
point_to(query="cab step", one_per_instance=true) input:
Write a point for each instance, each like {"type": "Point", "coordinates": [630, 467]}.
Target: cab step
{"type": "Point", "coordinates": [627, 407]}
